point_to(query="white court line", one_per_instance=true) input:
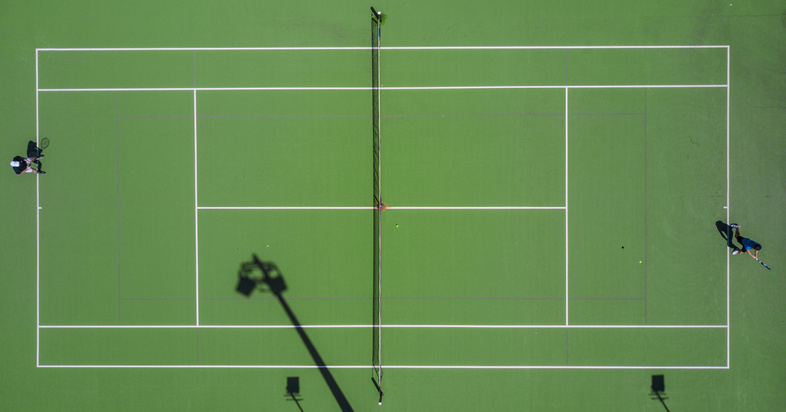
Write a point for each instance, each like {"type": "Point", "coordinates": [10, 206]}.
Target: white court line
{"type": "Point", "coordinates": [652, 367]}
{"type": "Point", "coordinates": [285, 207]}
{"type": "Point", "coordinates": [100, 49]}
{"type": "Point", "coordinates": [552, 47]}
{"type": "Point", "coordinates": [562, 326]}
{"type": "Point", "coordinates": [404, 88]}
{"type": "Point", "coordinates": [386, 88]}
{"type": "Point", "coordinates": [37, 236]}
{"type": "Point", "coordinates": [477, 207]}
{"type": "Point", "coordinates": [728, 185]}
{"type": "Point", "coordinates": [130, 49]}
{"type": "Point", "coordinates": [188, 89]}
{"type": "Point", "coordinates": [586, 86]}
{"type": "Point", "coordinates": [544, 367]}
{"type": "Point", "coordinates": [389, 207]}
{"type": "Point", "coordinates": [567, 294]}
{"type": "Point", "coordinates": [384, 326]}
{"type": "Point", "coordinates": [196, 208]}
{"type": "Point", "coordinates": [208, 366]}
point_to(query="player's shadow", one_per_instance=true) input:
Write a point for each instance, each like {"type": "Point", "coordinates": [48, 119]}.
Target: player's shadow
{"type": "Point", "coordinates": [272, 281]}
{"type": "Point", "coordinates": [726, 233]}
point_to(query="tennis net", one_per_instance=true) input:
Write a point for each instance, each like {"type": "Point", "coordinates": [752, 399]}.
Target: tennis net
{"type": "Point", "coordinates": [377, 196]}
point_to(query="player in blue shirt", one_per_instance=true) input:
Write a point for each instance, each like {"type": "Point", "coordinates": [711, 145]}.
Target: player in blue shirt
{"type": "Point", "coordinates": [747, 244]}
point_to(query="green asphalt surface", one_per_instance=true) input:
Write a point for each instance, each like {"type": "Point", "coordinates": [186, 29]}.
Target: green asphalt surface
{"type": "Point", "coordinates": [545, 248]}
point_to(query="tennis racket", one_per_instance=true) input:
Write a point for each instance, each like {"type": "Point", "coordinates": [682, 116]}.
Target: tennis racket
{"type": "Point", "coordinates": [762, 263]}
{"type": "Point", "coordinates": [44, 143]}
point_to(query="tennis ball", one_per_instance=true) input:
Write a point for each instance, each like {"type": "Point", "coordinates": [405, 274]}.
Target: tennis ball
{"type": "Point", "coordinates": [396, 224]}
{"type": "Point", "coordinates": [639, 261]}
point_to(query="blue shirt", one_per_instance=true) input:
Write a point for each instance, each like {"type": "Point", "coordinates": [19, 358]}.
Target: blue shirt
{"type": "Point", "coordinates": [749, 244]}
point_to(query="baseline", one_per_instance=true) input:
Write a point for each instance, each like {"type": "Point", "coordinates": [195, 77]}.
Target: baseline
{"type": "Point", "coordinates": [66, 49]}
{"type": "Point", "coordinates": [384, 326]}
{"type": "Point", "coordinates": [364, 88]}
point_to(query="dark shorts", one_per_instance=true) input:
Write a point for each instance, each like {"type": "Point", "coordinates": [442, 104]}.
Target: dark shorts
{"type": "Point", "coordinates": [33, 150]}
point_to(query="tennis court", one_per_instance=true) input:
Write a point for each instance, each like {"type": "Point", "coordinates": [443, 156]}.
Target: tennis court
{"type": "Point", "coordinates": [535, 196]}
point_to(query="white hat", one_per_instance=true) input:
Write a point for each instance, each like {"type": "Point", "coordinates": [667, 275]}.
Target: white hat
{"type": "Point", "coordinates": [14, 163]}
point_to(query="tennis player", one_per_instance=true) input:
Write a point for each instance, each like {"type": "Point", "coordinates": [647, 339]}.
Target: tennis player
{"type": "Point", "coordinates": [22, 165]}
{"type": "Point", "coordinates": [746, 243]}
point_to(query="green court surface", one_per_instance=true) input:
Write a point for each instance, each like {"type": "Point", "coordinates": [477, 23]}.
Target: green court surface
{"type": "Point", "coordinates": [553, 176]}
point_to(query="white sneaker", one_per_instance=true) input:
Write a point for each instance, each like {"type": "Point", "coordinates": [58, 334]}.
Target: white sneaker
{"type": "Point", "coordinates": [736, 251]}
